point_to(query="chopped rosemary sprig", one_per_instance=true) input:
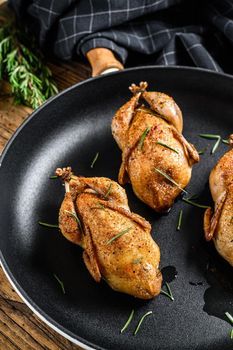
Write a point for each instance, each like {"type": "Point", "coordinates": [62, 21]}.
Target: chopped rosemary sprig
{"type": "Point", "coordinates": [99, 206]}
{"type": "Point", "coordinates": [179, 220]}
{"type": "Point", "coordinates": [212, 137]}
{"type": "Point", "coordinates": [53, 177]}
{"type": "Point", "coordinates": [225, 141]}
{"type": "Point", "coordinates": [140, 322]}
{"type": "Point", "coordinates": [230, 318]}
{"type": "Point", "coordinates": [128, 321]}
{"type": "Point", "coordinates": [142, 138]}
{"type": "Point", "coordinates": [119, 235]}
{"type": "Point", "coordinates": [187, 200]}
{"type": "Point", "coordinates": [76, 218]}
{"type": "Point", "coordinates": [164, 145]}
{"type": "Point", "coordinates": [170, 179]}
{"type": "Point", "coordinates": [168, 293]}
{"type": "Point", "coordinates": [202, 151]}
{"type": "Point", "coordinates": [94, 160]}
{"type": "Point", "coordinates": [108, 191]}
{"type": "Point", "coordinates": [48, 225]}
{"type": "Point", "coordinates": [61, 283]}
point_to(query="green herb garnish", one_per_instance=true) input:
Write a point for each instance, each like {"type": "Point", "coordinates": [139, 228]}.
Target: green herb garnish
{"type": "Point", "coordinates": [168, 293]}
{"type": "Point", "coordinates": [212, 137]}
{"type": "Point", "coordinates": [119, 235]}
{"type": "Point", "coordinates": [108, 191]}
{"type": "Point", "coordinates": [164, 145]}
{"type": "Point", "coordinates": [187, 200]}
{"type": "Point", "coordinates": [170, 179]}
{"type": "Point", "coordinates": [230, 318]}
{"type": "Point", "coordinates": [53, 177]}
{"type": "Point", "coordinates": [76, 218]}
{"type": "Point", "coordinates": [48, 225]}
{"type": "Point", "coordinates": [231, 334]}
{"type": "Point", "coordinates": [128, 321]}
{"type": "Point", "coordinates": [179, 220]}
{"type": "Point", "coordinates": [94, 160]}
{"type": "Point", "coordinates": [140, 322]}
{"type": "Point", "coordinates": [61, 283]}
{"type": "Point", "coordinates": [142, 138]}
{"type": "Point", "coordinates": [202, 151]}
{"type": "Point", "coordinates": [22, 65]}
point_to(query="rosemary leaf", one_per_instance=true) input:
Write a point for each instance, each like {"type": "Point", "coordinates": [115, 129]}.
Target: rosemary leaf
{"type": "Point", "coordinates": [230, 318]}
{"type": "Point", "coordinates": [186, 200]}
{"type": "Point", "coordinates": [168, 293]}
{"type": "Point", "coordinates": [231, 334]}
{"type": "Point", "coordinates": [48, 225]}
{"type": "Point", "coordinates": [108, 191]}
{"type": "Point", "coordinates": [216, 145]}
{"type": "Point", "coordinates": [94, 160]}
{"type": "Point", "coordinates": [179, 220]}
{"type": "Point", "coordinates": [76, 218]}
{"type": "Point", "coordinates": [164, 145]}
{"type": "Point", "coordinates": [53, 177]}
{"type": "Point", "coordinates": [225, 141]}
{"type": "Point", "coordinates": [170, 179]}
{"type": "Point", "coordinates": [142, 138]}
{"type": "Point", "coordinates": [140, 322]}
{"type": "Point", "coordinates": [61, 283]}
{"type": "Point", "coordinates": [202, 151]}
{"type": "Point", "coordinates": [119, 235]}
{"type": "Point", "coordinates": [128, 321]}
{"type": "Point", "coordinates": [210, 136]}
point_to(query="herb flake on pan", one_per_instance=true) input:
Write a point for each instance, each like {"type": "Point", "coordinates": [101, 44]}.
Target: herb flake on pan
{"type": "Point", "coordinates": [141, 320]}
{"type": "Point", "coordinates": [179, 220]}
{"type": "Point", "coordinates": [142, 138]}
{"type": "Point", "coordinates": [165, 145]}
{"type": "Point", "coordinates": [170, 179]}
{"type": "Point", "coordinates": [128, 321]}
{"type": "Point", "coordinates": [187, 200]}
{"type": "Point", "coordinates": [76, 218]}
{"type": "Point", "coordinates": [53, 177]}
{"type": "Point", "coordinates": [119, 235]}
{"type": "Point", "coordinates": [60, 282]}
{"type": "Point", "coordinates": [202, 151]}
{"type": "Point", "coordinates": [48, 225]}
{"type": "Point", "coordinates": [212, 137]}
{"type": "Point", "coordinates": [94, 160]}
{"type": "Point", "coordinates": [230, 318]}
{"type": "Point", "coordinates": [168, 293]}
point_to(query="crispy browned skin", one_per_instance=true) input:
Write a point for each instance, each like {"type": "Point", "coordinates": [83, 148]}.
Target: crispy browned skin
{"type": "Point", "coordinates": [129, 263]}
{"type": "Point", "coordinates": [219, 225]}
{"type": "Point", "coordinates": [164, 123]}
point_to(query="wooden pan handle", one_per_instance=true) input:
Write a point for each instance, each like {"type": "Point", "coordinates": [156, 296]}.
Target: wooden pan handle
{"type": "Point", "coordinates": [101, 60]}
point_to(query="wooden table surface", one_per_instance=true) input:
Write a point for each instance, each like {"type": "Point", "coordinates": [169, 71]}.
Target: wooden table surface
{"type": "Point", "coordinates": [20, 329]}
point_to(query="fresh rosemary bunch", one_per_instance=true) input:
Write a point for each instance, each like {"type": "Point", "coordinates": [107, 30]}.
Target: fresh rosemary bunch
{"type": "Point", "coordinates": [21, 64]}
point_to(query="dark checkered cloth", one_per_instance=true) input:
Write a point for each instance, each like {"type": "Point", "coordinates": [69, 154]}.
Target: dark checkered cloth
{"type": "Point", "coordinates": [165, 32]}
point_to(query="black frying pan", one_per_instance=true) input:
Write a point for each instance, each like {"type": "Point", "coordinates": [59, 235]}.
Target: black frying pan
{"type": "Point", "coordinates": [68, 130]}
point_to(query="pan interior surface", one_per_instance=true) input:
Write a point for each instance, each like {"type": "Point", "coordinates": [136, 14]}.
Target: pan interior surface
{"type": "Point", "coordinates": [68, 131]}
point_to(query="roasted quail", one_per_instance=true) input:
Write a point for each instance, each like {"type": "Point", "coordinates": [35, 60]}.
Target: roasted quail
{"type": "Point", "coordinates": [117, 243]}
{"type": "Point", "coordinates": [219, 225]}
{"type": "Point", "coordinates": [155, 155]}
